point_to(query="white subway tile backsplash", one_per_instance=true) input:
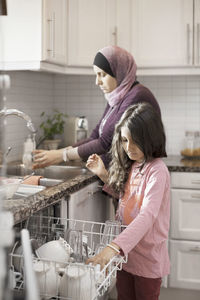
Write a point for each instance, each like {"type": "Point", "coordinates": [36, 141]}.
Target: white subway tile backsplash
{"type": "Point", "coordinates": [34, 92]}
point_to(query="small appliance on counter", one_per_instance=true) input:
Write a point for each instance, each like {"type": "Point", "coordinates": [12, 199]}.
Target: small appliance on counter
{"type": "Point", "coordinates": [75, 129]}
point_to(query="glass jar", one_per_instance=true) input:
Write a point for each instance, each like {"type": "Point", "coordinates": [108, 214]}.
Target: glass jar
{"type": "Point", "coordinates": [192, 144]}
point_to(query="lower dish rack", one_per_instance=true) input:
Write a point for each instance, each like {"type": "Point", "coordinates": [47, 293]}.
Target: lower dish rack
{"type": "Point", "coordinates": [60, 248]}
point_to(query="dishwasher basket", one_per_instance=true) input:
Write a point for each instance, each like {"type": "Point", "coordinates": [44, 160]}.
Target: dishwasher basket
{"type": "Point", "coordinates": [68, 279]}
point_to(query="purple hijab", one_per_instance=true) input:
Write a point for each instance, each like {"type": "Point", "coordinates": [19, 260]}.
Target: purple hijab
{"type": "Point", "coordinates": [124, 69]}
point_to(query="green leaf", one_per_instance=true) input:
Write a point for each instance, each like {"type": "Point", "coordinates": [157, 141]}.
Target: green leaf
{"type": "Point", "coordinates": [53, 124]}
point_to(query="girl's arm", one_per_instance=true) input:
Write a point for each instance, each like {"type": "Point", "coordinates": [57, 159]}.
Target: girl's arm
{"type": "Point", "coordinates": [96, 165]}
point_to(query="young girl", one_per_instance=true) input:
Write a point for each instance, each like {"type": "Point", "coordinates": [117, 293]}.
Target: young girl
{"type": "Point", "coordinates": [142, 179]}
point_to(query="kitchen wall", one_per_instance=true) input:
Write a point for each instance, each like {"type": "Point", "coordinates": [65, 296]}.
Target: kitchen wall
{"type": "Point", "coordinates": [178, 96]}
{"type": "Point", "coordinates": [34, 92]}
{"type": "Point", "coordinates": [31, 92]}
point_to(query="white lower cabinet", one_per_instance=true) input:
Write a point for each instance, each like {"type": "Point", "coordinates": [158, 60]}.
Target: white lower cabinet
{"type": "Point", "coordinates": [89, 204]}
{"type": "Point", "coordinates": [185, 264]}
{"type": "Point", "coordinates": [185, 214]}
{"type": "Point", "coordinates": [184, 245]}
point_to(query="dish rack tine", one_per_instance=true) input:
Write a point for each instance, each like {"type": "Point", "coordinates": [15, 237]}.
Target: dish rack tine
{"type": "Point", "coordinates": [31, 284]}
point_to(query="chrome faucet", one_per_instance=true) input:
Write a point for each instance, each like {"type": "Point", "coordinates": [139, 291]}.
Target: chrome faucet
{"type": "Point", "coordinates": [16, 112]}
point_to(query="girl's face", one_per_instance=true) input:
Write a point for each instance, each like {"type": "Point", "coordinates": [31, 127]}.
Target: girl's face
{"type": "Point", "coordinates": [106, 82]}
{"type": "Point", "coordinates": [131, 149]}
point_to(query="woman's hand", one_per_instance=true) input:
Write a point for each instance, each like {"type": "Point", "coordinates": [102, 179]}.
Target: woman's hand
{"type": "Point", "coordinates": [96, 165]}
{"type": "Point", "coordinates": [44, 158]}
{"type": "Point", "coordinates": [103, 257]}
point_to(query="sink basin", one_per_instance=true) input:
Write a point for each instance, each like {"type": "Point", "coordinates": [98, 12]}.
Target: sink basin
{"type": "Point", "coordinates": [52, 175]}
{"type": "Point", "coordinates": [62, 172]}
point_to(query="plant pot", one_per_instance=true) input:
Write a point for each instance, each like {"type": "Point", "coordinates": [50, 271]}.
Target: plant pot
{"type": "Point", "coordinates": [51, 144]}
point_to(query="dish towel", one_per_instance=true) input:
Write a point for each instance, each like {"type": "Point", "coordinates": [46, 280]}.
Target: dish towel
{"type": "Point", "coordinates": [33, 180]}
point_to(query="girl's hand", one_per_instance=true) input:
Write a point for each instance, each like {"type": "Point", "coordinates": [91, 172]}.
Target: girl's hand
{"type": "Point", "coordinates": [96, 165]}
{"type": "Point", "coordinates": [103, 257]}
{"type": "Point", "coordinates": [44, 158]}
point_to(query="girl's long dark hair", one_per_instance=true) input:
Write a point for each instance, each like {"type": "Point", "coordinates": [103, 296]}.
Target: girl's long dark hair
{"type": "Point", "coordinates": [148, 134]}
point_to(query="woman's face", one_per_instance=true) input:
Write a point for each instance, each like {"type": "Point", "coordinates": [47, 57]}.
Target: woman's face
{"type": "Point", "coordinates": [131, 149]}
{"type": "Point", "coordinates": [106, 82]}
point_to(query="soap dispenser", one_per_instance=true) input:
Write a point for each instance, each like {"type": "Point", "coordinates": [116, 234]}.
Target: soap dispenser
{"type": "Point", "coordinates": [29, 146]}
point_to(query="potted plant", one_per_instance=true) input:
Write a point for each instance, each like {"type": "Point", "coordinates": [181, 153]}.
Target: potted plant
{"type": "Point", "coordinates": [52, 125]}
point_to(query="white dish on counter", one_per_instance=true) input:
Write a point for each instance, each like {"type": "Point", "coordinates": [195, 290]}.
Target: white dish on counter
{"type": "Point", "coordinates": [29, 189]}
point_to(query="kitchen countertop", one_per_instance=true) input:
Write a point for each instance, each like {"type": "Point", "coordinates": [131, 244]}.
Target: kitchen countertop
{"type": "Point", "coordinates": [23, 208]}
{"type": "Point", "coordinates": [177, 163]}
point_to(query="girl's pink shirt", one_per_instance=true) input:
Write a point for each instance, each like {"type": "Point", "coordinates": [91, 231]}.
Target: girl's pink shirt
{"type": "Point", "coordinates": [145, 208]}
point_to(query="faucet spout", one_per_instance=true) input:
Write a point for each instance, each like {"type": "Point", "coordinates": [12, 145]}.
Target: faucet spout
{"type": "Point", "coordinates": [21, 114]}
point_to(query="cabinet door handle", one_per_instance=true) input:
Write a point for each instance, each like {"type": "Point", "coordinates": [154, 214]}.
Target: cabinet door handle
{"type": "Point", "coordinates": [198, 45]}
{"type": "Point", "coordinates": [195, 249]}
{"type": "Point", "coordinates": [93, 193]}
{"type": "Point", "coordinates": [188, 44]}
{"type": "Point", "coordinates": [196, 196]}
{"type": "Point", "coordinates": [195, 181]}
{"type": "Point", "coordinates": [53, 34]}
{"type": "Point", "coordinates": [49, 21]}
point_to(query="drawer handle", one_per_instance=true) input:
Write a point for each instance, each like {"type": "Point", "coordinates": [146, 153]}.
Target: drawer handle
{"type": "Point", "coordinates": [195, 249]}
{"type": "Point", "coordinates": [195, 181]}
{"type": "Point", "coordinates": [196, 196]}
{"type": "Point", "coordinates": [93, 193]}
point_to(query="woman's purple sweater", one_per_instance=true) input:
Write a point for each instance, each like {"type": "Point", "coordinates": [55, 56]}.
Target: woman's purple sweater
{"type": "Point", "coordinates": [100, 144]}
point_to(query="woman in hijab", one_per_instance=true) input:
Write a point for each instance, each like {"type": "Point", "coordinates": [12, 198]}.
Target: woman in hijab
{"type": "Point", "coordinates": [115, 70]}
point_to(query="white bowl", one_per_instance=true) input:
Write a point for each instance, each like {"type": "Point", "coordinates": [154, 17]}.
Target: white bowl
{"type": "Point", "coordinates": [48, 279]}
{"type": "Point", "coordinates": [9, 186]}
{"type": "Point", "coordinates": [78, 282]}
{"type": "Point", "coordinates": [57, 250]}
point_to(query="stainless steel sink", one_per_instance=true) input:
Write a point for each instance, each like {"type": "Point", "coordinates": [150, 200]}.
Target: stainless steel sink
{"type": "Point", "coordinates": [52, 175]}
{"type": "Point", "coordinates": [62, 172]}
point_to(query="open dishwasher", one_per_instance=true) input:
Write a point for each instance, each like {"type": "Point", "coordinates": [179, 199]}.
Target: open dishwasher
{"type": "Point", "coordinates": [60, 248]}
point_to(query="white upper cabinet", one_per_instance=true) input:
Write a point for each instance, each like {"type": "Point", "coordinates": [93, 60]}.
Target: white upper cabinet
{"type": "Point", "coordinates": [94, 24]}
{"type": "Point", "coordinates": [91, 26]}
{"type": "Point", "coordinates": [32, 32]}
{"type": "Point", "coordinates": [55, 31]}
{"type": "Point", "coordinates": [20, 35]}
{"type": "Point", "coordinates": [64, 35]}
{"type": "Point", "coordinates": [160, 34]}
{"type": "Point", "coordinates": [165, 33]}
